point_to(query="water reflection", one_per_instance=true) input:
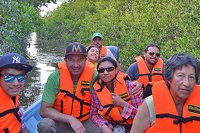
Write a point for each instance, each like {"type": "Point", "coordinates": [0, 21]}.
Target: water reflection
{"type": "Point", "coordinates": [44, 57]}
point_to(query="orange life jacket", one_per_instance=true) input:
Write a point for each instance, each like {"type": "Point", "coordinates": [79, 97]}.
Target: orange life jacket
{"type": "Point", "coordinates": [92, 64]}
{"type": "Point", "coordinates": [144, 72]}
{"type": "Point", "coordinates": [167, 118]}
{"type": "Point", "coordinates": [10, 121]}
{"type": "Point", "coordinates": [75, 103]}
{"type": "Point", "coordinates": [111, 112]}
{"type": "Point", "coordinates": [103, 51]}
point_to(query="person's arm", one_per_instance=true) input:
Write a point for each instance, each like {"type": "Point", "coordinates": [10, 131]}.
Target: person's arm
{"type": "Point", "coordinates": [131, 110]}
{"type": "Point", "coordinates": [133, 72]}
{"type": "Point", "coordinates": [135, 88]}
{"type": "Point", "coordinates": [128, 109]}
{"type": "Point", "coordinates": [95, 106]}
{"type": "Point", "coordinates": [142, 120]}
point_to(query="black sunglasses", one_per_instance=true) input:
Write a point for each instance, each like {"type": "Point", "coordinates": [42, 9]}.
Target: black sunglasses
{"type": "Point", "coordinates": [152, 54]}
{"type": "Point", "coordinates": [109, 69]}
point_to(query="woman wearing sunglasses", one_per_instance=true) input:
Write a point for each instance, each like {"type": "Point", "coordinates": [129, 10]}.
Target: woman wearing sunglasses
{"type": "Point", "coordinates": [13, 69]}
{"type": "Point", "coordinates": [115, 99]}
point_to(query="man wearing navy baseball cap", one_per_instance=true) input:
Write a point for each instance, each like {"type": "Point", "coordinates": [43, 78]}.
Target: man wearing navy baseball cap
{"type": "Point", "coordinates": [13, 69]}
{"type": "Point", "coordinates": [67, 95]}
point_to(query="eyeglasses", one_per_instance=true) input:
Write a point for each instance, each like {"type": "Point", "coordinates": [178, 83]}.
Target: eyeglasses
{"type": "Point", "coordinates": [9, 78]}
{"type": "Point", "coordinates": [152, 54]}
{"type": "Point", "coordinates": [109, 69]}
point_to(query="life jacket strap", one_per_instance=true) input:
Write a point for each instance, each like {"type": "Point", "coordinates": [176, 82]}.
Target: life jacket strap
{"type": "Point", "coordinates": [109, 106]}
{"type": "Point", "coordinates": [6, 130]}
{"type": "Point", "coordinates": [67, 93]}
{"type": "Point", "coordinates": [14, 111]}
{"type": "Point", "coordinates": [178, 119]}
{"type": "Point", "coordinates": [83, 90]}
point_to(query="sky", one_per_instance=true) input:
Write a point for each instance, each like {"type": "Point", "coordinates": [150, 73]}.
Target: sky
{"type": "Point", "coordinates": [50, 7]}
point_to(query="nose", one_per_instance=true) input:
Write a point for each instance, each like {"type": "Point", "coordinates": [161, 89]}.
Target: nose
{"type": "Point", "coordinates": [15, 82]}
{"type": "Point", "coordinates": [186, 81]}
{"type": "Point", "coordinates": [75, 63]}
{"type": "Point", "coordinates": [105, 72]}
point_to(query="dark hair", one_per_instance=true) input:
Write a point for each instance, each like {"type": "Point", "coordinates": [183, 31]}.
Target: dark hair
{"type": "Point", "coordinates": [113, 62]}
{"type": "Point", "coordinates": [109, 59]}
{"type": "Point", "coordinates": [177, 61]}
{"type": "Point", "coordinates": [91, 46]}
{"type": "Point", "coordinates": [151, 45]}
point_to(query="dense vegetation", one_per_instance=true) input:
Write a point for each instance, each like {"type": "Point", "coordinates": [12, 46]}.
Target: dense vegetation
{"type": "Point", "coordinates": [128, 24]}
{"type": "Point", "coordinates": [17, 20]}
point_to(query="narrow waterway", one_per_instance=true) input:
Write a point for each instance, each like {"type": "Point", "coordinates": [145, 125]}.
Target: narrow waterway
{"type": "Point", "coordinates": [44, 58]}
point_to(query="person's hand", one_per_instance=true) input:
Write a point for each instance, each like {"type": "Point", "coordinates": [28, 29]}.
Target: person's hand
{"type": "Point", "coordinates": [106, 129]}
{"type": "Point", "coordinates": [116, 99]}
{"type": "Point", "coordinates": [76, 125]}
{"type": "Point", "coordinates": [137, 89]}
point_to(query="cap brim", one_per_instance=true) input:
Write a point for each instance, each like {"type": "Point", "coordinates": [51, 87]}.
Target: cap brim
{"type": "Point", "coordinates": [25, 67]}
{"type": "Point", "coordinates": [75, 54]}
{"type": "Point", "coordinates": [96, 36]}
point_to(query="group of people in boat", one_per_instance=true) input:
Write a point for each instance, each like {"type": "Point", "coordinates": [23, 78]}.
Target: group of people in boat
{"type": "Point", "coordinates": [89, 92]}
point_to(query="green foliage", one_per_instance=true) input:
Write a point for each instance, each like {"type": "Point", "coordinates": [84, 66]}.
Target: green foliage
{"type": "Point", "coordinates": [129, 24]}
{"type": "Point", "coordinates": [17, 20]}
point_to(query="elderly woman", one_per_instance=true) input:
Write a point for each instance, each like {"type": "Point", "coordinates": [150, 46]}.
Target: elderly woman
{"type": "Point", "coordinates": [113, 105]}
{"type": "Point", "coordinates": [174, 105]}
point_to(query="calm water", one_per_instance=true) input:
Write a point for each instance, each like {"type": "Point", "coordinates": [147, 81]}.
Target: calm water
{"type": "Point", "coordinates": [44, 57]}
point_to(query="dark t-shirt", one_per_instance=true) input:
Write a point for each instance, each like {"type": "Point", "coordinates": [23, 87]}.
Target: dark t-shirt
{"type": "Point", "coordinates": [133, 71]}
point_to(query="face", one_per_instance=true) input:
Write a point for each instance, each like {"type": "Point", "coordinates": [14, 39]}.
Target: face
{"type": "Point", "coordinates": [93, 54]}
{"type": "Point", "coordinates": [152, 55]}
{"type": "Point", "coordinates": [109, 71]}
{"type": "Point", "coordinates": [75, 64]}
{"type": "Point", "coordinates": [97, 41]}
{"type": "Point", "coordinates": [13, 81]}
{"type": "Point", "coordinates": [182, 83]}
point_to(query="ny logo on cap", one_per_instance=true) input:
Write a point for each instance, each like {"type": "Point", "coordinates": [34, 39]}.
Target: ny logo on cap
{"type": "Point", "coordinates": [76, 49]}
{"type": "Point", "coordinates": [16, 59]}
